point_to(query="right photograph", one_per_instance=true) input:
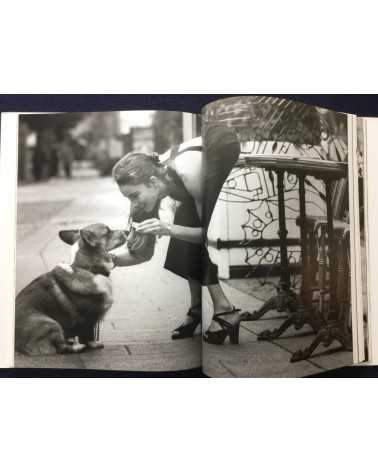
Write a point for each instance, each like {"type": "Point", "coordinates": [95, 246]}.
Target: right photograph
{"type": "Point", "coordinates": [279, 237]}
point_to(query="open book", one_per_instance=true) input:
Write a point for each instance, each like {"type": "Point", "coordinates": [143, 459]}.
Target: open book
{"type": "Point", "coordinates": [134, 229]}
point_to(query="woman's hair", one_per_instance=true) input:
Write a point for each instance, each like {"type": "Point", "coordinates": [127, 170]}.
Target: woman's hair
{"type": "Point", "coordinates": [137, 167]}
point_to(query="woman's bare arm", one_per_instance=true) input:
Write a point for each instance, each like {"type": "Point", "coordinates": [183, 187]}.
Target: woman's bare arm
{"type": "Point", "coordinates": [157, 227]}
{"type": "Point", "coordinates": [185, 233]}
{"type": "Point", "coordinates": [126, 258]}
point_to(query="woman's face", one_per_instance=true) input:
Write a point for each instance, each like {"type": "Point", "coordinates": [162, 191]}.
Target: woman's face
{"type": "Point", "coordinates": [143, 197]}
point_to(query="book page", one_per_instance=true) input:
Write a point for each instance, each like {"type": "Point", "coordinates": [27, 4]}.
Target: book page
{"type": "Point", "coordinates": [370, 127]}
{"type": "Point", "coordinates": [8, 179]}
{"type": "Point", "coordinates": [96, 282]}
{"type": "Point", "coordinates": [281, 235]}
{"type": "Point", "coordinates": [361, 245]}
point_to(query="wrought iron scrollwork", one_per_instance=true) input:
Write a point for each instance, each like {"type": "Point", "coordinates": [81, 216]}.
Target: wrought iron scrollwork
{"type": "Point", "coordinates": [273, 126]}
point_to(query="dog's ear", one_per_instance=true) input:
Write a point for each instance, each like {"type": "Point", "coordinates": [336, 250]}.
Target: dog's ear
{"type": "Point", "coordinates": [88, 237]}
{"type": "Point", "coordinates": [69, 236]}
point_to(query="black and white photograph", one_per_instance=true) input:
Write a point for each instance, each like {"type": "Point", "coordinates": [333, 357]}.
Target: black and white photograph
{"type": "Point", "coordinates": [92, 291]}
{"type": "Point", "coordinates": [280, 239]}
{"type": "Point", "coordinates": [161, 241]}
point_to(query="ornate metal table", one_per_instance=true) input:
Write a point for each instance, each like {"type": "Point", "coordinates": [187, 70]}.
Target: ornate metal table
{"type": "Point", "coordinates": [329, 323]}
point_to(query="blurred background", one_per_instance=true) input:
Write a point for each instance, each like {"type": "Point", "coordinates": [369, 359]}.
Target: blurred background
{"type": "Point", "coordinates": [82, 144]}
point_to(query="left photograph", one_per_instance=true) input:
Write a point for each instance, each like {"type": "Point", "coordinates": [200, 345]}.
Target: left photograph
{"type": "Point", "coordinates": [96, 284]}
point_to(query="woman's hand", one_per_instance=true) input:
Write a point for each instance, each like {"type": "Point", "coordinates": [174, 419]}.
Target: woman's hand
{"type": "Point", "coordinates": [156, 227]}
{"type": "Point", "coordinates": [153, 226]}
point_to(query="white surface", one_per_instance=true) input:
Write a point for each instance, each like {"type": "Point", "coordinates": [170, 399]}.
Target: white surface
{"type": "Point", "coordinates": [148, 425]}
{"type": "Point", "coordinates": [195, 47]}
{"type": "Point", "coordinates": [372, 257]}
{"type": "Point", "coordinates": [8, 181]}
{"type": "Point", "coordinates": [355, 255]}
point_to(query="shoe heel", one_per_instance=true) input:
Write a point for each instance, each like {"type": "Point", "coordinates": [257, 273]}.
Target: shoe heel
{"type": "Point", "coordinates": [234, 334]}
{"type": "Point", "coordinates": [218, 337]}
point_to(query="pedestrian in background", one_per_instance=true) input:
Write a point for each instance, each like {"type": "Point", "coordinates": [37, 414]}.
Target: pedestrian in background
{"type": "Point", "coordinates": [66, 153]}
{"type": "Point", "coordinates": [54, 158]}
{"type": "Point", "coordinates": [41, 157]}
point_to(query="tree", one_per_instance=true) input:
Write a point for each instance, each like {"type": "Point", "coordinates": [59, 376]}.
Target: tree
{"type": "Point", "coordinates": [167, 129]}
{"type": "Point", "coordinates": [49, 127]}
{"type": "Point", "coordinates": [57, 122]}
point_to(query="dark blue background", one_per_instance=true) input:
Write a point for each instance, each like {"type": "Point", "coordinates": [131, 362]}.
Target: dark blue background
{"type": "Point", "coordinates": [363, 105]}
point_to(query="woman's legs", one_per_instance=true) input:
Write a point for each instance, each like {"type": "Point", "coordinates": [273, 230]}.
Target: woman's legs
{"type": "Point", "coordinates": [222, 150]}
{"type": "Point", "coordinates": [219, 299]}
{"type": "Point", "coordinates": [221, 304]}
{"type": "Point", "coordinates": [193, 317]}
{"type": "Point", "coordinates": [195, 293]}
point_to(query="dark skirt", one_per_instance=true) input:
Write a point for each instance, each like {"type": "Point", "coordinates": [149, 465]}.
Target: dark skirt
{"type": "Point", "coordinates": [189, 260]}
{"type": "Point", "coordinates": [186, 259]}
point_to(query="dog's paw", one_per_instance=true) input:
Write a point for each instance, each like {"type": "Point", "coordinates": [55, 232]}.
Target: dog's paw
{"type": "Point", "coordinates": [94, 345]}
{"type": "Point", "coordinates": [78, 347]}
{"type": "Point", "coordinates": [68, 348]}
{"type": "Point", "coordinates": [66, 267]}
{"type": "Point", "coordinates": [103, 284]}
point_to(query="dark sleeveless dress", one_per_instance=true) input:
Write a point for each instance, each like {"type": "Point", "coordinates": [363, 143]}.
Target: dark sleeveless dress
{"type": "Point", "coordinates": [221, 151]}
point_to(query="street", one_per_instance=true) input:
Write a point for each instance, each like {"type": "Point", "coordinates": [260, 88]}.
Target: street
{"type": "Point", "coordinates": [149, 301]}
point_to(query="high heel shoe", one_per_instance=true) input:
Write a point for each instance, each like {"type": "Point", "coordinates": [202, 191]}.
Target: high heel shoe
{"type": "Point", "coordinates": [228, 329]}
{"type": "Point", "coordinates": [187, 330]}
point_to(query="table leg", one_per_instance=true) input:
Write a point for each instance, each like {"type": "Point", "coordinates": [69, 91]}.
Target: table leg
{"type": "Point", "coordinates": [331, 253]}
{"type": "Point", "coordinates": [334, 326]}
{"type": "Point", "coordinates": [285, 299]}
{"type": "Point", "coordinates": [305, 314]}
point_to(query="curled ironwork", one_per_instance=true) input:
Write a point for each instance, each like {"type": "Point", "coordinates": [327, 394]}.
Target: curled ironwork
{"type": "Point", "coordinates": [276, 127]}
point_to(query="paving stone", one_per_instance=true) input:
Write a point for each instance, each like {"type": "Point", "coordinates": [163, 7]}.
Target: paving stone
{"type": "Point", "coordinates": [149, 358]}
{"type": "Point", "coordinates": [37, 212]}
{"type": "Point", "coordinates": [245, 335]}
{"type": "Point", "coordinates": [274, 323]}
{"type": "Point", "coordinates": [179, 347]}
{"type": "Point", "coordinates": [254, 359]}
{"type": "Point", "coordinates": [54, 361]}
{"type": "Point", "coordinates": [28, 267]}
{"type": "Point", "coordinates": [332, 357]}
{"type": "Point", "coordinates": [134, 336]}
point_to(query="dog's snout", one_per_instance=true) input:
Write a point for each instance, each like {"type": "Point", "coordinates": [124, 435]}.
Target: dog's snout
{"type": "Point", "coordinates": [122, 235]}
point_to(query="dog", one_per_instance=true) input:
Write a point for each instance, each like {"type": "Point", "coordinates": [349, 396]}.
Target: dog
{"type": "Point", "coordinates": [69, 300]}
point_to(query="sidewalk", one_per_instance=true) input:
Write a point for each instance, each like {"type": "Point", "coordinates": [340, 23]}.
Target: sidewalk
{"type": "Point", "coordinates": [149, 301]}
{"type": "Point", "coordinates": [253, 358]}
